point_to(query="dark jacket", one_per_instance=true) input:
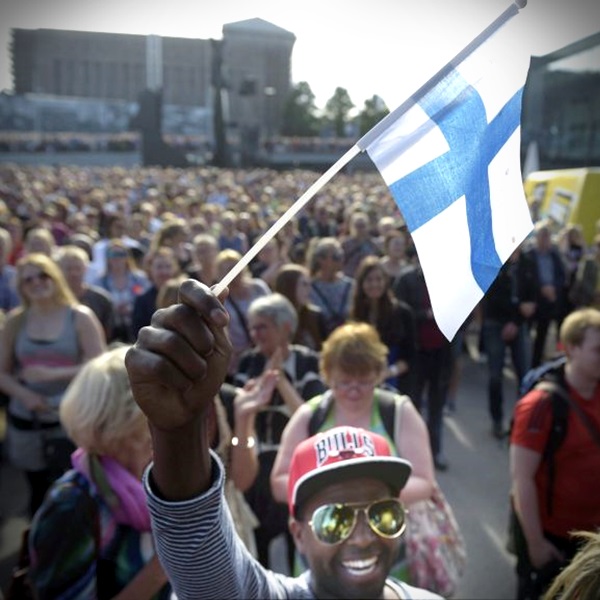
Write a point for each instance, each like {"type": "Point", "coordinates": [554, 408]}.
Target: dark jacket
{"type": "Point", "coordinates": [516, 282]}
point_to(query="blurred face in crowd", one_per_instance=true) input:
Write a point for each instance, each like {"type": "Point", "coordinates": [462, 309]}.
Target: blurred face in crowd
{"type": "Point", "coordinates": [266, 335]}
{"type": "Point", "coordinates": [117, 257]}
{"type": "Point", "coordinates": [360, 227]}
{"type": "Point", "coordinates": [36, 284]}
{"type": "Point", "coordinates": [38, 243]}
{"type": "Point", "coordinates": [544, 239]}
{"type": "Point", "coordinates": [206, 252]}
{"type": "Point", "coordinates": [162, 269]}
{"type": "Point", "coordinates": [396, 247]}
{"type": "Point", "coordinates": [73, 269]}
{"type": "Point", "coordinates": [331, 260]}
{"type": "Point", "coordinates": [374, 284]}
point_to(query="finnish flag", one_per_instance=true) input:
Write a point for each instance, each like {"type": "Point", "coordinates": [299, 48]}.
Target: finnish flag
{"type": "Point", "coordinates": [452, 163]}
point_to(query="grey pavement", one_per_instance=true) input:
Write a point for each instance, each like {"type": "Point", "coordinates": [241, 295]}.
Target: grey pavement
{"type": "Point", "coordinates": [476, 485]}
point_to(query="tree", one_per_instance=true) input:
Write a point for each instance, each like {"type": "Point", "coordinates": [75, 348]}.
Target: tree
{"type": "Point", "coordinates": [299, 112]}
{"type": "Point", "coordinates": [337, 110]}
{"type": "Point", "coordinates": [373, 111]}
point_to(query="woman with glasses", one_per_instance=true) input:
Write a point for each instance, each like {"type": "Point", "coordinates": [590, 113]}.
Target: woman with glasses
{"type": "Point", "coordinates": [45, 342]}
{"type": "Point", "coordinates": [124, 282]}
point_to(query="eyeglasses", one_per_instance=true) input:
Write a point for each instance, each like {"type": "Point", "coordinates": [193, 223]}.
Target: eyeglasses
{"type": "Point", "coordinates": [41, 277]}
{"type": "Point", "coordinates": [345, 386]}
{"type": "Point", "coordinates": [334, 523]}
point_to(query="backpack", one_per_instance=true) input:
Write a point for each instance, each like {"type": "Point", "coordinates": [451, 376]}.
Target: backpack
{"type": "Point", "coordinates": [550, 377]}
{"type": "Point", "coordinates": [387, 401]}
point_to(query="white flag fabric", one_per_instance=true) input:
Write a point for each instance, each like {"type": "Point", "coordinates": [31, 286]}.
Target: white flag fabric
{"type": "Point", "coordinates": [452, 163]}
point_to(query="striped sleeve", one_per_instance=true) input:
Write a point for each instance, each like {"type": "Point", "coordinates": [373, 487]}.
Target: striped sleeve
{"type": "Point", "coordinates": [200, 551]}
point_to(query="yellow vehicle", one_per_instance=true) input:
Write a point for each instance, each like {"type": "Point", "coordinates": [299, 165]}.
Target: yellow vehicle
{"type": "Point", "coordinates": [566, 196]}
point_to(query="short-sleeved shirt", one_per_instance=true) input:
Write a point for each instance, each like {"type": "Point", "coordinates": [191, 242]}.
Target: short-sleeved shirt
{"type": "Point", "coordinates": [576, 493]}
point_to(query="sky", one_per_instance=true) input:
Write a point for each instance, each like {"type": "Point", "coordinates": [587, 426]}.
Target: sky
{"type": "Point", "coordinates": [384, 47]}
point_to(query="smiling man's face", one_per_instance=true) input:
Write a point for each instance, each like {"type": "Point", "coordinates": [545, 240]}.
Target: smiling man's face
{"type": "Point", "coordinates": [358, 566]}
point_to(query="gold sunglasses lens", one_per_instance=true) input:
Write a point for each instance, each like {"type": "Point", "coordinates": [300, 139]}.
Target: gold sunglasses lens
{"type": "Point", "coordinates": [333, 523]}
{"type": "Point", "coordinates": [387, 518]}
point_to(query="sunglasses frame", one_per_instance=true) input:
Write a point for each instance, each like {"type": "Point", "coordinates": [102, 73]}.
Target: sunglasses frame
{"type": "Point", "coordinates": [364, 508]}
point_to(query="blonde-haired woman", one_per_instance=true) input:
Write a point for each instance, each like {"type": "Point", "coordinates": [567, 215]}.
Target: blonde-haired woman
{"type": "Point", "coordinates": [43, 345]}
{"type": "Point", "coordinates": [91, 536]}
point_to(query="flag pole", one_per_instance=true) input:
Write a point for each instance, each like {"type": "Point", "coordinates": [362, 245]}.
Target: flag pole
{"type": "Point", "coordinates": [392, 117]}
{"type": "Point", "coordinates": [285, 217]}
{"type": "Point", "coordinates": [362, 144]}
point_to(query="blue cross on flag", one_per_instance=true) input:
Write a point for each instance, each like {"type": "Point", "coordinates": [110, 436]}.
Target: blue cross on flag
{"type": "Point", "coordinates": [452, 163]}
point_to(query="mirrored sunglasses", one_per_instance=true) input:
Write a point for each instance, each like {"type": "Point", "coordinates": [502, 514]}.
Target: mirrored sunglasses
{"type": "Point", "coordinates": [334, 523]}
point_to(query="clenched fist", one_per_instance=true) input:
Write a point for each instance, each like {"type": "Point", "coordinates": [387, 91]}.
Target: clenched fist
{"type": "Point", "coordinates": [179, 362]}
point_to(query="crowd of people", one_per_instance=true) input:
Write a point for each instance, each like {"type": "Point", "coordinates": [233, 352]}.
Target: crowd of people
{"type": "Point", "coordinates": [329, 320]}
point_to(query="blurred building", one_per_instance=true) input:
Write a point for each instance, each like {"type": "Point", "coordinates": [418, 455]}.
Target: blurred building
{"type": "Point", "coordinates": [253, 59]}
{"type": "Point", "coordinates": [561, 106]}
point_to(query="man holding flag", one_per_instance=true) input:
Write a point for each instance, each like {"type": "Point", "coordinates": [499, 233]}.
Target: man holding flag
{"type": "Point", "coordinates": [460, 183]}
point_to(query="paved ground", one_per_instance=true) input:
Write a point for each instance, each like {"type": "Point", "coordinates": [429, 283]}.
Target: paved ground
{"type": "Point", "coordinates": [476, 485]}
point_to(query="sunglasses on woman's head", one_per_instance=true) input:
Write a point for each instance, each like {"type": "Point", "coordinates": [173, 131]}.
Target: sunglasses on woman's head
{"type": "Point", "coordinates": [117, 254]}
{"type": "Point", "coordinates": [334, 523]}
{"type": "Point", "coordinates": [37, 277]}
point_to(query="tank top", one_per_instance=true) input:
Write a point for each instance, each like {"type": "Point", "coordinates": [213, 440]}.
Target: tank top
{"type": "Point", "coordinates": [63, 351]}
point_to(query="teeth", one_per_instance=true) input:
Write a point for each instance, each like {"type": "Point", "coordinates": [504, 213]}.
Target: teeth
{"type": "Point", "coordinates": [360, 567]}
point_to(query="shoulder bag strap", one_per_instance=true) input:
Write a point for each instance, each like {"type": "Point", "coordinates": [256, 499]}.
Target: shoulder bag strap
{"type": "Point", "coordinates": [241, 317]}
{"type": "Point", "coordinates": [335, 313]}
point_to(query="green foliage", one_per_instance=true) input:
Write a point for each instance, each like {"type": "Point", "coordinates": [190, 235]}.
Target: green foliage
{"type": "Point", "coordinates": [337, 110]}
{"type": "Point", "coordinates": [373, 111]}
{"type": "Point", "coordinates": [299, 112]}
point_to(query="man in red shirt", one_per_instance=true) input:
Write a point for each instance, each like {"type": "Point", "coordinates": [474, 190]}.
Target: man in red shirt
{"type": "Point", "coordinates": [575, 495]}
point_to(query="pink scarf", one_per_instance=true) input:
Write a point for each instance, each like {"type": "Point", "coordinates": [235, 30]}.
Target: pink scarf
{"type": "Point", "coordinates": [121, 490]}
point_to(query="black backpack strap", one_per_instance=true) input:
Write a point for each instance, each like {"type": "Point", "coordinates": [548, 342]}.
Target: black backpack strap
{"type": "Point", "coordinates": [320, 414]}
{"type": "Point", "coordinates": [559, 399]}
{"type": "Point", "coordinates": [386, 402]}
